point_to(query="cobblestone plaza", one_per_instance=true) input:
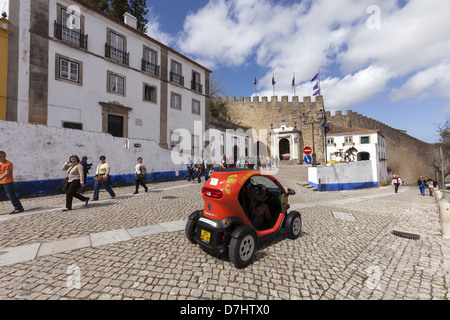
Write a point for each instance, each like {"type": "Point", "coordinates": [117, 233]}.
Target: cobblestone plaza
{"type": "Point", "coordinates": [134, 247]}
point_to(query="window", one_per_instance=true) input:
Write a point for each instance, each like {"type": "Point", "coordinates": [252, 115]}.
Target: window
{"type": "Point", "coordinates": [176, 73]}
{"type": "Point", "coordinates": [149, 62]}
{"type": "Point", "coordinates": [69, 70]}
{"type": "Point", "coordinates": [175, 140]}
{"type": "Point", "coordinates": [115, 125]}
{"type": "Point", "coordinates": [72, 125]}
{"type": "Point", "coordinates": [149, 93]}
{"type": "Point", "coordinates": [196, 82]}
{"type": "Point", "coordinates": [115, 48]}
{"type": "Point", "coordinates": [195, 106]}
{"type": "Point", "coordinates": [365, 140]}
{"type": "Point", "coordinates": [330, 141]}
{"type": "Point", "coordinates": [195, 146]}
{"type": "Point", "coordinates": [116, 84]}
{"type": "Point", "coordinates": [175, 101]}
{"type": "Point", "coordinates": [348, 140]}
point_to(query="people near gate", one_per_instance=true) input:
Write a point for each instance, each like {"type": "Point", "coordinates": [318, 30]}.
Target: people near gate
{"type": "Point", "coordinates": [102, 179]}
{"type": "Point", "coordinates": [396, 182]}
{"type": "Point", "coordinates": [140, 173]}
{"type": "Point", "coordinates": [190, 169]}
{"type": "Point", "coordinates": [75, 180]}
{"type": "Point", "coordinates": [199, 168]}
{"type": "Point", "coordinates": [7, 181]}
{"type": "Point", "coordinates": [430, 185]}
{"type": "Point", "coordinates": [223, 162]}
{"type": "Point", "coordinates": [421, 185]}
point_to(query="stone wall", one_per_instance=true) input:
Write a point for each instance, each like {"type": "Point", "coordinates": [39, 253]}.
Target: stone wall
{"type": "Point", "coordinates": [407, 156]}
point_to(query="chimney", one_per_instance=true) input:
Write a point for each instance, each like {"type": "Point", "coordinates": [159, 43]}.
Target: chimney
{"type": "Point", "coordinates": [130, 20]}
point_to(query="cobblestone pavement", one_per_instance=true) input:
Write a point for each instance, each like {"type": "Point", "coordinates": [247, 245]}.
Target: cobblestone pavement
{"type": "Point", "coordinates": [133, 247]}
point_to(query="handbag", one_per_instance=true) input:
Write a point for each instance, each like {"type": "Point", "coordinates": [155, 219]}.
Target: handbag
{"type": "Point", "coordinates": [142, 175]}
{"type": "Point", "coordinates": [102, 178]}
{"type": "Point", "coordinates": [65, 184]}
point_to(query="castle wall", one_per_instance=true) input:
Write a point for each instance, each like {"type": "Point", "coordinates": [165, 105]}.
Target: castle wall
{"type": "Point", "coordinates": [406, 156]}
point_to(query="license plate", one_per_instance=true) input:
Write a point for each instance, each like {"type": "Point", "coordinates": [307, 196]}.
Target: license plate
{"type": "Point", "coordinates": [205, 236]}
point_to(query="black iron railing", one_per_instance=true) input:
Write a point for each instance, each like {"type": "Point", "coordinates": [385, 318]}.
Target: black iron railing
{"type": "Point", "coordinates": [177, 78]}
{"type": "Point", "coordinates": [196, 86]}
{"type": "Point", "coordinates": [71, 36]}
{"type": "Point", "coordinates": [149, 67]}
{"type": "Point", "coordinates": [116, 54]}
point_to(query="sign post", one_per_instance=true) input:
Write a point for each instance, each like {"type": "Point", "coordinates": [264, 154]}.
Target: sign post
{"type": "Point", "coordinates": [443, 174]}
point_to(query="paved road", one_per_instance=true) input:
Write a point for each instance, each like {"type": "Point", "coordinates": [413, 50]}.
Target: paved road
{"type": "Point", "coordinates": [133, 247]}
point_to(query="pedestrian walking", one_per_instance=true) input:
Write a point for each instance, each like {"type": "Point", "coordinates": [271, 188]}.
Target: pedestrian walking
{"type": "Point", "coordinates": [75, 180]}
{"type": "Point", "coordinates": [7, 181]}
{"type": "Point", "coordinates": [86, 168]}
{"type": "Point", "coordinates": [190, 169]}
{"type": "Point", "coordinates": [421, 185]}
{"type": "Point", "coordinates": [102, 179]}
{"type": "Point", "coordinates": [140, 174]}
{"type": "Point", "coordinates": [200, 168]}
{"type": "Point", "coordinates": [430, 185]}
{"type": "Point", "coordinates": [396, 182]}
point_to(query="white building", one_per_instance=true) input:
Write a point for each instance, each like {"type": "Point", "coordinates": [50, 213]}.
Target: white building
{"type": "Point", "coordinates": [73, 66]}
{"type": "Point", "coordinates": [368, 145]}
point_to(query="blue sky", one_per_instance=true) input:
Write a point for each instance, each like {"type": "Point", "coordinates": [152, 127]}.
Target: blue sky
{"type": "Point", "coordinates": [386, 59]}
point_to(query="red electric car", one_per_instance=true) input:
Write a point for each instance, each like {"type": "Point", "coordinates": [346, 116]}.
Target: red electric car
{"type": "Point", "coordinates": [241, 207]}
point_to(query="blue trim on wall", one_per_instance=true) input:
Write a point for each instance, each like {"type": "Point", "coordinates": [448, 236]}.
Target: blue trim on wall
{"type": "Point", "coordinates": [38, 188]}
{"type": "Point", "coordinates": [344, 186]}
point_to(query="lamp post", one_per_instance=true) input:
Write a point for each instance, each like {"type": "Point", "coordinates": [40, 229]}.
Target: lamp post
{"type": "Point", "coordinates": [320, 117]}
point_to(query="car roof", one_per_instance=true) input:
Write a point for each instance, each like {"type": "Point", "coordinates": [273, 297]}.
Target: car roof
{"type": "Point", "coordinates": [234, 170]}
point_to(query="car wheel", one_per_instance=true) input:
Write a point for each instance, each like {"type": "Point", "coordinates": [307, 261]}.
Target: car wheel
{"type": "Point", "coordinates": [191, 230]}
{"type": "Point", "coordinates": [242, 249]}
{"type": "Point", "coordinates": [294, 225]}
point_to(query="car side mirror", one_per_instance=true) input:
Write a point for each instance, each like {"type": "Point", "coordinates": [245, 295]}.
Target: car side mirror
{"type": "Point", "coordinates": [290, 192]}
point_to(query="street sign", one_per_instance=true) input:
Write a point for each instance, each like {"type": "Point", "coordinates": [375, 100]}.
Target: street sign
{"type": "Point", "coordinates": [307, 150]}
{"type": "Point", "coordinates": [307, 159]}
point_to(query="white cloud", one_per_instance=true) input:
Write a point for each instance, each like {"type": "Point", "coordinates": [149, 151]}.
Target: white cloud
{"type": "Point", "coordinates": [431, 82]}
{"type": "Point", "coordinates": [356, 62]}
{"type": "Point", "coordinates": [154, 29]}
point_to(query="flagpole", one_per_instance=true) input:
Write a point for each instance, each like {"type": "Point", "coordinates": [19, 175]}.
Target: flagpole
{"type": "Point", "coordinates": [255, 86]}
{"type": "Point", "coordinates": [320, 91]}
{"type": "Point", "coordinates": [294, 83]}
{"type": "Point", "coordinates": [273, 83]}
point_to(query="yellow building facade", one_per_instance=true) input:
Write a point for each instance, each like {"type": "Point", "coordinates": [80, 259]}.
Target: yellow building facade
{"type": "Point", "coordinates": [4, 37]}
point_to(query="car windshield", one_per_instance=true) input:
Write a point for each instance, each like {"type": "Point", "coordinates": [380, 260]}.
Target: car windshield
{"type": "Point", "coordinates": [256, 180]}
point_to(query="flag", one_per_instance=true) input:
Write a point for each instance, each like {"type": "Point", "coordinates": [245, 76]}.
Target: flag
{"type": "Point", "coordinates": [255, 82]}
{"type": "Point", "coordinates": [315, 77]}
{"type": "Point", "coordinates": [316, 86]}
{"type": "Point", "coordinates": [293, 82]}
{"type": "Point", "coordinates": [273, 80]}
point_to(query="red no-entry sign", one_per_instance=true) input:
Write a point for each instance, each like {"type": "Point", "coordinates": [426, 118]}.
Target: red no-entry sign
{"type": "Point", "coordinates": [307, 150]}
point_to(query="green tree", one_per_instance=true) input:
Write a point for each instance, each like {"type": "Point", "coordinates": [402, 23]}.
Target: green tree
{"type": "Point", "coordinates": [444, 142]}
{"type": "Point", "coordinates": [138, 8]}
{"type": "Point", "coordinates": [217, 107]}
{"type": "Point", "coordinates": [99, 4]}
{"type": "Point", "coordinates": [117, 8]}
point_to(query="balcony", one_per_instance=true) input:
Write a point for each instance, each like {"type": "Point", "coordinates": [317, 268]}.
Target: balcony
{"type": "Point", "coordinates": [70, 36]}
{"type": "Point", "coordinates": [196, 86]}
{"type": "Point", "coordinates": [149, 68]}
{"type": "Point", "coordinates": [177, 78]}
{"type": "Point", "coordinates": [116, 55]}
